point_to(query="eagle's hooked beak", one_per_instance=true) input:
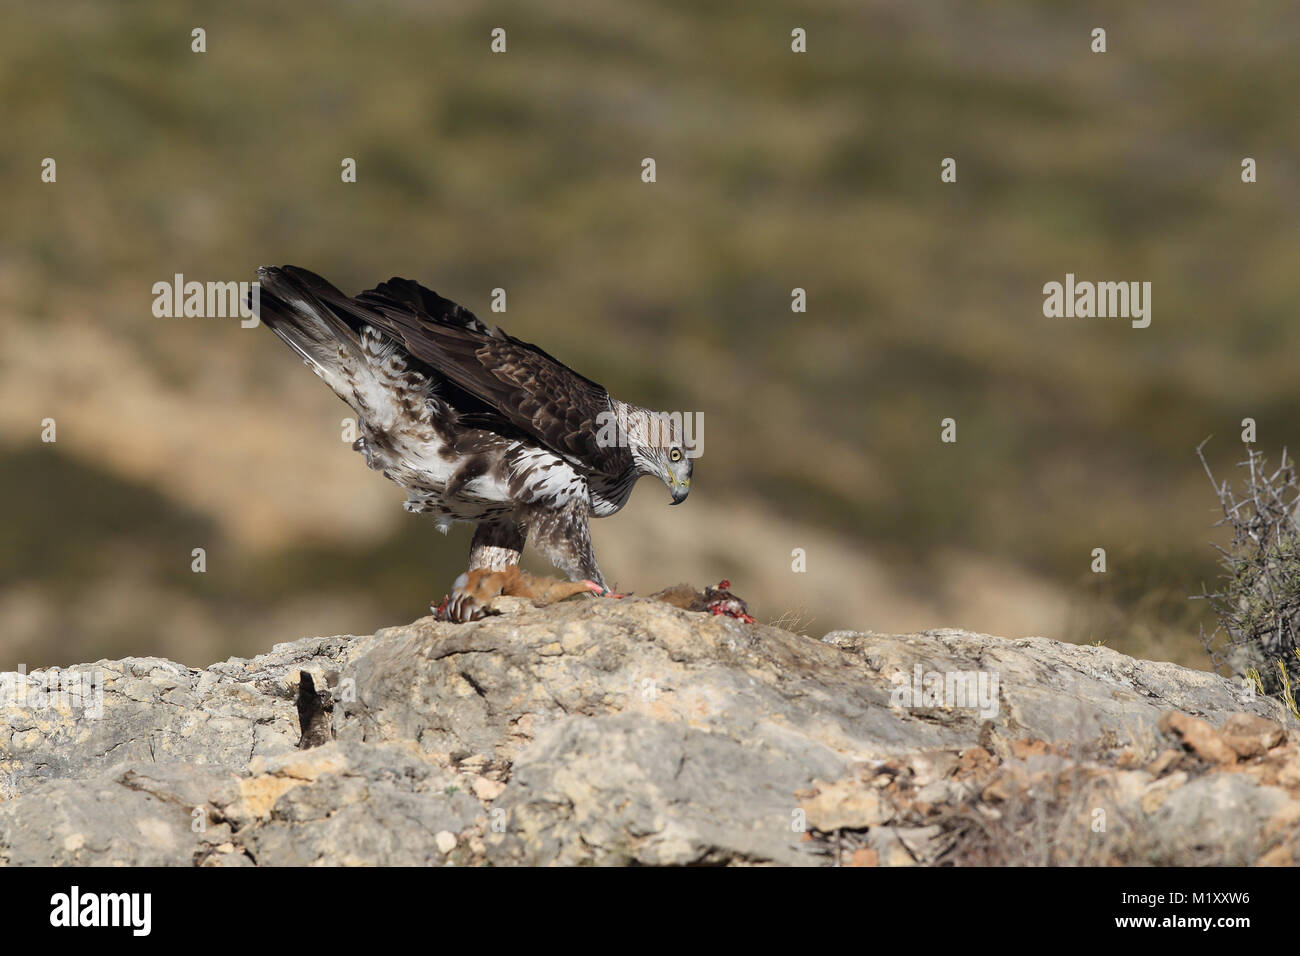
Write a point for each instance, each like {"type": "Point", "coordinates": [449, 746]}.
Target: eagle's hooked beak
{"type": "Point", "coordinates": [680, 490]}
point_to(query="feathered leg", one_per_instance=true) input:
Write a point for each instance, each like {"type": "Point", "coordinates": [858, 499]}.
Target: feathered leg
{"type": "Point", "coordinates": [563, 535]}
{"type": "Point", "coordinates": [496, 545]}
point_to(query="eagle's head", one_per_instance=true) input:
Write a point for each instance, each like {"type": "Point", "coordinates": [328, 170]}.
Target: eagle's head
{"type": "Point", "coordinates": [660, 449]}
{"type": "Point", "coordinates": [675, 470]}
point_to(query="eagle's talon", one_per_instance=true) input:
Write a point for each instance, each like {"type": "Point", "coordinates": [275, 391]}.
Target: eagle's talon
{"type": "Point", "coordinates": [465, 608]}
{"type": "Point", "coordinates": [461, 607]}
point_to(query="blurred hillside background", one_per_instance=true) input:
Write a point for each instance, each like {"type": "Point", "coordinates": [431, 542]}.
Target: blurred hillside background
{"type": "Point", "coordinates": [775, 171]}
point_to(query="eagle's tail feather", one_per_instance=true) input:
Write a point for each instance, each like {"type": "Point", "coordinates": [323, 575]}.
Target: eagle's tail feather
{"type": "Point", "coordinates": [295, 305]}
{"type": "Point", "coordinates": [338, 338]}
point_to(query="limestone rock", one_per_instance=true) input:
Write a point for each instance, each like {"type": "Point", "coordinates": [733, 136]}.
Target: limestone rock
{"type": "Point", "coordinates": [610, 732]}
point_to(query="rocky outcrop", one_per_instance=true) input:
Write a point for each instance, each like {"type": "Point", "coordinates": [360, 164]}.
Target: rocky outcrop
{"type": "Point", "coordinates": [609, 732]}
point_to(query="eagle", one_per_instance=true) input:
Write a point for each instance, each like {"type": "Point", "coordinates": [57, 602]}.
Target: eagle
{"type": "Point", "coordinates": [474, 424]}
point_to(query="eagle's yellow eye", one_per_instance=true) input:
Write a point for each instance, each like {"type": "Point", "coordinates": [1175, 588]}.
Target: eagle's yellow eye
{"type": "Point", "coordinates": [675, 455]}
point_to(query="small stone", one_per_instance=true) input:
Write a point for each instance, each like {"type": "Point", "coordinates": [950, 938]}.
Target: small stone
{"type": "Point", "coordinates": [846, 805]}
{"type": "Point", "coordinates": [487, 790]}
{"type": "Point", "coordinates": [1252, 736]}
{"type": "Point", "coordinates": [1021, 749]}
{"type": "Point", "coordinates": [975, 758]}
{"type": "Point", "coordinates": [1199, 736]}
{"type": "Point", "coordinates": [1166, 761]}
{"type": "Point", "coordinates": [446, 841]}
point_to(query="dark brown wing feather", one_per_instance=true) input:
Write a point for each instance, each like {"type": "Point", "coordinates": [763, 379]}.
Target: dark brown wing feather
{"type": "Point", "coordinates": [533, 391]}
{"type": "Point", "coordinates": [409, 296]}
{"type": "Point", "coordinates": [530, 388]}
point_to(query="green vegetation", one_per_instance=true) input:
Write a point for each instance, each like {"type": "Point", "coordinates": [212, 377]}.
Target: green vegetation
{"type": "Point", "coordinates": [775, 171]}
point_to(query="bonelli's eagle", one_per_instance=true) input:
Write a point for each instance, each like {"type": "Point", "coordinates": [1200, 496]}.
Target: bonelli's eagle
{"type": "Point", "coordinates": [473, 423]}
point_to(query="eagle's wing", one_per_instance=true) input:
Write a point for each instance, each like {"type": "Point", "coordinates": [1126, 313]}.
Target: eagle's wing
{"type": "Point", "coordinates": [416, 298]}
{"type": "Point", "coordinates": [533, 391]}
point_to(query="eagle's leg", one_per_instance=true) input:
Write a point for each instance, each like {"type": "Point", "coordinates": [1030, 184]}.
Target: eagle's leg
{"type": "Point", "coordinates": [563, 535]}
{"type": "Point", "coordinates": [496, 545]}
